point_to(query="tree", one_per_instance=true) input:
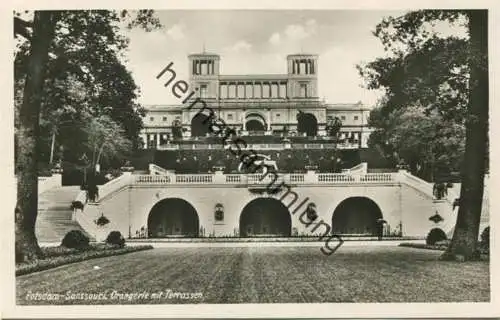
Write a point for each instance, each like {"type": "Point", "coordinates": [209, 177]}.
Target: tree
{"type": "Point", "coordinates": [176, 129]}
{"type": "Point", "coordinates": [62, 46]}
{"type": "Point", "coordinates": [105, 139]}
{"type": "Point", "coordinates": [448, 75]}
{"type": "Point", "coordinates": [430, 145]}
{"type": "Point", "coordinates": [333, 127]}
{"type": "Point", "coordinates": [26, 244]}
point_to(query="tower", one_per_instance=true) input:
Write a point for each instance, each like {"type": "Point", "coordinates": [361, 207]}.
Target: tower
{"type": "Point", "coordinates": [302, 75]}
{"type": "Point", "coordinates": [204, 74]}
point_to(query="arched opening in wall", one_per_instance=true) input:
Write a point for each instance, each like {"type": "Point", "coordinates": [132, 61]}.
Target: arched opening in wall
{"type": "Point", "coordinates": [307, 123]}
{"type": "Point", "coordinates": [255, 122]}
{"type": "Point", "coordinates": [173, 217]}
{"type": "Point", "coordinates": [265, 217]}
{"type": "Point", "coordinates": [357, 215]}
{"type": "Point", "coordinates": [199, 125]}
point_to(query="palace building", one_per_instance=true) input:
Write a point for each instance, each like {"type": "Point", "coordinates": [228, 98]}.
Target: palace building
{"type": "Point", "coordinates": [259, 105]}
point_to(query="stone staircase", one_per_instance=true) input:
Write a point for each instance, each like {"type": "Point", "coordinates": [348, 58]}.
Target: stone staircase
{"type": "Point", "coordinates": [54, 214]}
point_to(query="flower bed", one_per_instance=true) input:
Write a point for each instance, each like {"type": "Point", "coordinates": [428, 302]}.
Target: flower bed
{"type": "Point", "coordinates": [423, 246]}
{"type": "Point", "coordinates": [58, 256]}
{"type": "Point", "coordinates": [438, 246]}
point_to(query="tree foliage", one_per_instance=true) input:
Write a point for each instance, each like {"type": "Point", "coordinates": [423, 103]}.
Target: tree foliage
{"type": "Point", "coordinates": [431, 146]}
{"type": "Point", "coordinates": [447, 77]}
{"type": "Point", "coordinates": [69, 66]}
{"type": "Point", "coordinates": [105, 139]}
{"type": "Point", "coordinates": [86, 74]}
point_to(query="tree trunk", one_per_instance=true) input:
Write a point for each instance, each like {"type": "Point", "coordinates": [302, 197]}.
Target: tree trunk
{"type": "Point", "coordinates": [465, 236]}
{"type": "Point", "coordinates": [26, 244]}
{"type": "Point", "coordinates": [52, 146]}
{"type": "Point", "coordinates": [99, 154]}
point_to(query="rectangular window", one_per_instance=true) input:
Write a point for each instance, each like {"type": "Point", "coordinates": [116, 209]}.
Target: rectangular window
{"type": "Point", "coordinates": [356, 118]}
{"type": "Point", "coordinates": [266, 90]}
{"type": "Point", "coordinates": [303, 90]}
{"type": "Point", "coordinates": [231, 91]}
{"type": "Point", "coordinates": [342, 117]}
{"type": "Point", "coordinates": [249, 92]}
{"type": "Point", "coordinates": [257, 91]}
{"type": "Point", "coordinates": [151, 119]}
{"type": "Point", "coordinates": [164, 118]}
{"type": "Point", "coordinates": [223, 91]}
{"type": "Point", "coordinates": [274, 90]}
{"type": "Point", "coordinates": [241, 91]}
{"type": "Point", "coordinates": [230, 116]}
{"type": "Point", "coordinates": [195, 67]}
{"type": "Point", "coordinates": [203, 91]}
{"type": "Point", "coordinates": [282, 90]}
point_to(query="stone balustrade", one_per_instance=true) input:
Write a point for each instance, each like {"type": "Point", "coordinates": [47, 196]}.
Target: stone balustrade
{"type": "Point", "coordinates": [310, 177]}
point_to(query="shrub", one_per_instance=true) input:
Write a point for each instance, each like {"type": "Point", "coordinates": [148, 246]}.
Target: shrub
{"type": "Point", "coordinates": [75, 239]}
{"type": "Point", "coordinates": [434, 236]}
{"type": "Point", "coordinates": [76, 205]}
{"type": "Point", "coordinates": [115, 238]}
{"type": "Point", "coordinates": [485, 239]}
{"type": "Point", "coordinates": [102, 221]}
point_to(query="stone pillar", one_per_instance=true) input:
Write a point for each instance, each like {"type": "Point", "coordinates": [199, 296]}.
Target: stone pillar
{"type": "Point", "coordinates": [243, 121]}
{"type": "Point", "coordinates": [158, 135]}
{"type": "Point", "coordinates": [268, 119]}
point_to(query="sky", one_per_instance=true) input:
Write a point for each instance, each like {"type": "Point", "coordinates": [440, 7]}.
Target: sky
{"type": "Point", "coordinates": [257, 42]}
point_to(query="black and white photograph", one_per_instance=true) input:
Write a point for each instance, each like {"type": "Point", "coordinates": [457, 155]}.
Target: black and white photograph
{"type": "Point", "coordinates": [235, 156]}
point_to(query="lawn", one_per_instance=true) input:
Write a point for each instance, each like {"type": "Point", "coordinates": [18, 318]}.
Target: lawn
{"type": "Point", "coordinates": [261, 275]}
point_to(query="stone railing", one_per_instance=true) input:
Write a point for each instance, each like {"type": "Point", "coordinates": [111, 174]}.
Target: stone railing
{"type": "Point", "coordinates": [261, 146]}
{"type": "Point", "coordinates": [114, 185]}
{"type": "Point", "coordinates": [154, 169]}
{"type": "Point", "coordinates": [416, 182]}
{"type": "Point", "coordinates": [246, 179]}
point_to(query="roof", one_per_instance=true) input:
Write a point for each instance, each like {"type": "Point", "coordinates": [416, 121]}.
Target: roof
{"type": "Point", "coordinates": [203, 54]}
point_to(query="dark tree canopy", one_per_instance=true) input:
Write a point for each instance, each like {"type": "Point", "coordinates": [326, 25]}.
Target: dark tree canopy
{"type": "Point", "coordinates": [447, 79]}
{"type": "Point", "coordinates": [86, 76]}
{"type": "Point", "coordinates": [68, 70]}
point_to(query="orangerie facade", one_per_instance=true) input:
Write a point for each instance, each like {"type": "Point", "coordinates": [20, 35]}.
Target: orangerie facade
{"type": "Point", "coordinates": [264, 105]}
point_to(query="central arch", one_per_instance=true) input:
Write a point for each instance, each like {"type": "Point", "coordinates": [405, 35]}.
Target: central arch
{"type": "Point", "coordinates": [356, 215]}
{"type": "Point", "coordinates": [199, 125]}
{"type": "Point", "coordinates": [265, 217]}
{"type": "Point", "coordinates": [255, 125]}
{"type": "Point", "coordinates": [307, 123]}
{"type": "Point", "coordinates": [173, 217]}
{"type": "Point", "coordinates": [255, 122]}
